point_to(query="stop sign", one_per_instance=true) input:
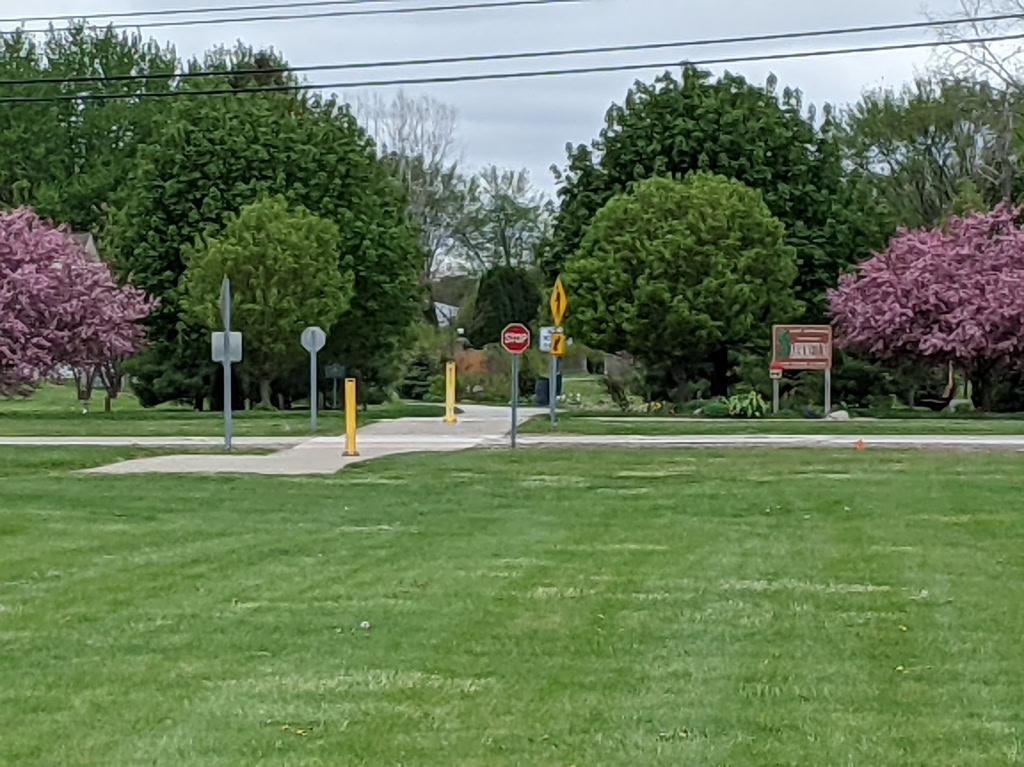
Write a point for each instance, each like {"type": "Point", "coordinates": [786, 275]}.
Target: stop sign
{"type": "Point", "coordinates": [515, 338]}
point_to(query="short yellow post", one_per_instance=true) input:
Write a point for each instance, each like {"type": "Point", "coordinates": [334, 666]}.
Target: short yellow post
{"type": "Point", "coordinates": [350, 417]}
{"type": "Point", "coordinates": [449, 393]}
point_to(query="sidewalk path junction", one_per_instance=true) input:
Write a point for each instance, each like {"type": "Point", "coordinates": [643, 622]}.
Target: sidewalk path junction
{"type": "Point", "coordinates": [477, 426]}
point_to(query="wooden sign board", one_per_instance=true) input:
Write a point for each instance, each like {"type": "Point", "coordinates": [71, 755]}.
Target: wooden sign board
{"type": "Point", "coordinates": [802, 347]}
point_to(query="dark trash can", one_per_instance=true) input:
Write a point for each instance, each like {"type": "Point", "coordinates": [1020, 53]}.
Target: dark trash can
{"type": "Point", "coordinates": [541, 397]}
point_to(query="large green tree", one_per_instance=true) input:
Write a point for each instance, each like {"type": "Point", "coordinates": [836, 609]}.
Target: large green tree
{"type": "Point", "coordinates": [726, 126]}
{"type": "Point", "coordinates": [925, 145]}
{"type": "Point", "coordinates": [69, 159]}
{"type": "Point", "coordinates": [214, 156]}
{"type": "Point", "coordinates": [678, 273]}
{"type": "Point", "coordinates": [284, 273]}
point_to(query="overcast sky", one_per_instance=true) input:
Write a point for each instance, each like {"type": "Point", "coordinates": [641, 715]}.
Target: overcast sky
{"type": "Point", "coordinates": [526, 123]}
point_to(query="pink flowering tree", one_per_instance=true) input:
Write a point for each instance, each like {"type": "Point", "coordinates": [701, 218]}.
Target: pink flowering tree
{"type": "Point", "coordinates": [60, 306]}
{"type": "Point", "coordinates": [951, 295]}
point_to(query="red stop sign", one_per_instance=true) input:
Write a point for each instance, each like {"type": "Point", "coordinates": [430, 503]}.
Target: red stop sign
{"type": "Point", "coordinates": [515, 338]}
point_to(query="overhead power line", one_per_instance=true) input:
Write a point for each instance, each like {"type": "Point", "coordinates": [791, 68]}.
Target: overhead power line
{"type": "Point", "coordinates": [476, 59]}
{"type": "Point", "coordinates": [186, 11]}
{"type": "Point", "coordinates": [474, 6]}
{"type": "Point", "coordinates": [446, 79]}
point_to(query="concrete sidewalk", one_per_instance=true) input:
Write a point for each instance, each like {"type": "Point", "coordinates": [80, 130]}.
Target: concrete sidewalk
{"type": "Point", "coordinates": [199, 443]}
{"type": "Point", "coordinates": [890, 441]}
{"type": "Point", "coordinates": [478, 425]}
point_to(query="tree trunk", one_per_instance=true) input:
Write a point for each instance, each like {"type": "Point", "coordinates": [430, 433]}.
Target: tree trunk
{"type": "Point", "coordinates": [265, 393]}
{"type": "Point", "coordinates": [106, 403]}
{"type": "Point", "coordinates": [197, 403]}
{"type": "Point", "coordinates": [720, 372]}
{"type": "Point", "coordinates": [984, 388]}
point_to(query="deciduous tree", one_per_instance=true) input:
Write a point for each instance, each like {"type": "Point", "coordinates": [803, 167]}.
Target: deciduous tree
{"type": "Point", "coordinates": [677, 273]}
{"type": "Point", "coordinates": [61, 306]}
{"type": "Point", "coordinates": [950, 294]}
{"type": "Point", "coordinates": [284, 274]}
{"type": "Point", "coordinates": [418, 142]}
{"type": "Point", "coordinates": [730, 127]}
{"type": "Point", "coordinates": [505, 221]}
{"type": "Point", "coordinates": [214, 156]}
{"type": "Point", "coordinates": [69, 159]}
{"type": "Point", "coordinates": [920, 146]}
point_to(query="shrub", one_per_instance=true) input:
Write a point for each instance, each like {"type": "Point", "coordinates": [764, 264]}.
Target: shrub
{"type": "Point", "coordinates": [716, 409]}
{"type": "Point", "coordinates": [437, 389]}
{"type": "Point", "coordinates": [749, 405]}
{"type": "Point", "coordinates": [418, 377]}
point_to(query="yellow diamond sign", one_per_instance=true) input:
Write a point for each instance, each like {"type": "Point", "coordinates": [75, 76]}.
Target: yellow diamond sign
{"type": "Point", "coordinates": [558, 345]}
{"type": "Point", "coordinates": [559, 302]}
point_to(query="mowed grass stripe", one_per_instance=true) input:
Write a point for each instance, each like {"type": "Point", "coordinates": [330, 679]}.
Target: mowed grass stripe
{"type": "Point", "coordinates": [541, 608]}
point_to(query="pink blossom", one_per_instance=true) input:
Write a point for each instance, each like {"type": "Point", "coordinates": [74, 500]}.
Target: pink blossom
{"type": "Point", "coordinates": [59, 305]}
{"type": "Point", "coordinates": [952, 294]}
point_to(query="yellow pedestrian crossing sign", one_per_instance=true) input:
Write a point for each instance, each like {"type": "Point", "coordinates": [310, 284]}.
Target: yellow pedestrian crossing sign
{"type": "Point", "coordinates": [559, 302]}
{"type": "Point", "coordinates": [558, 345]}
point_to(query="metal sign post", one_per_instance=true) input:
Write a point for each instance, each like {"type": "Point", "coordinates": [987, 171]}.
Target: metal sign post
{"type": "Point", "coordinates": [225, 313]}
{"type": "Point", "coordinates": [313, 340]}
{"type": "Point", "coordinates": [804, 347]}
{"type": "Point", "coordinates": [559, 303]}
{"type": "Point", "coordinates": [553, 390]}
{"type": "Point", "coordinates": [515, 339]}
{"type": "Point", "coordinates": [515, 398]}
{"type": "Point", "coordinates": [557, 352]}
{"type": "Point", "coordinates": [335, 373]}
{"type": "Point", "coordinates": [776, 371]}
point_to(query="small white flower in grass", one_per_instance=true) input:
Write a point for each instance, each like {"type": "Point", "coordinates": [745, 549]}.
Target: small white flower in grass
{"type": "Point", "coordinates": [365, 625]}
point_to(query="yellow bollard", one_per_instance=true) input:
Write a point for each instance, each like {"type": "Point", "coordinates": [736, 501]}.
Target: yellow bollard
{"type": "Point", "coordinates": [350, 417]}
{"type": "Point", "coordinates": [449, 388]}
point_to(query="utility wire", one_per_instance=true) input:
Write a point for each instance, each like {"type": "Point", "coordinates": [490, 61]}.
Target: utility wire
{"type": "Point", "coordinates": [505, 75]}
{"type": "Point", "coordinates": [701, 42]}
{"type": "Point", "coordinates": [475, 6]}
{"type": "Point", "coordinates": [184, 11]}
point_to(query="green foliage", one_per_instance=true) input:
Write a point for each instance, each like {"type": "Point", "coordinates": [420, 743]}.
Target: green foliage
{"type": "Point", "coordinates": [437, 389]}
{"type": "Point", "coordinates": [506, 294]}
{"type": "Point", "coordinates": [69, 160]}
{"type": "Point", "coordinates": [213, 157]}
{"type": "Point", "coordinates": [727, 126]}
{"type": "Point", "coordinates": [749, 405]}
{"type": "Point", "coordinates": [968, 199]}
{"type": "Point", "coordinates": [930, 149]}
{"type": "Point", "coordinates": [716, 409]}
{"type": "Point", "coordinates": [432, 348]}
{"type": "Point", "coordinates": [678, 272]}
{"type": "Point", "coordinates": [453, 289]}
{"type": "Point", "coordinates": [505, 220]}
{"type": "Point", "coordinates": [618, 390]}
{"type": "Point", "coordinates": [420, 377]}
{"type": "Point", "coordinates": [284, 274]}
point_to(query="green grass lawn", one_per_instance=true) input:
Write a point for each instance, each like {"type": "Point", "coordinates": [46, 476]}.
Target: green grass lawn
{"type": "Point", "coordinates": [539, 608]}
{"type": "Point", "coordinates": [54, 411]}
{"type": "Point", "coordinates": [579, 424]}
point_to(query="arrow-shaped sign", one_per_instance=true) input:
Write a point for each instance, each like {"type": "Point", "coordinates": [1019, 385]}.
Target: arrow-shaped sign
{"type": "Point", "coordinates": [558, 345]}
{"type": "Point", "coordinates": [559, 302]}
